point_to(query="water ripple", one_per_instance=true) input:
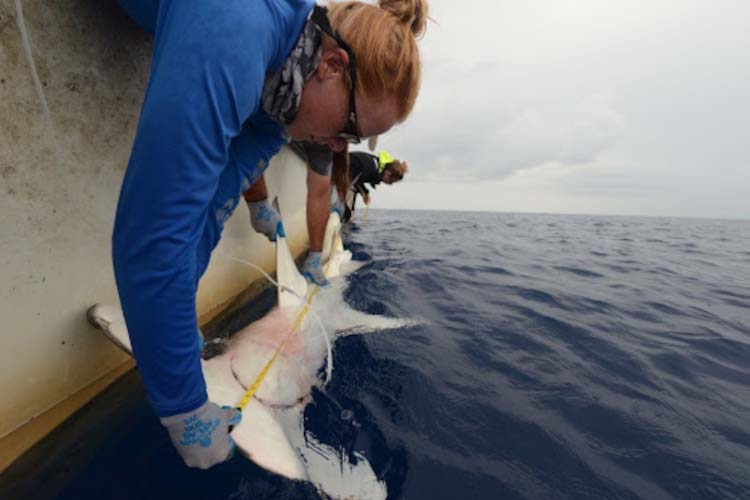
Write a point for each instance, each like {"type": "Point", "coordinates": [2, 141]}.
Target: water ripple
{"type": "Point", "coordinates": [567, 357]}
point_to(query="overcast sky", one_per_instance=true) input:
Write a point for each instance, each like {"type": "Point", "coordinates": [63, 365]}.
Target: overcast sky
{"type": "Point", "coordinates": [586, 106]}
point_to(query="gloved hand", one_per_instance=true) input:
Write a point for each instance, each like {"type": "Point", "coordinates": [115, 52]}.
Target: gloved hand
{"type": "Point", "coordinates": [264, 218]}
{"type": "Point", "coordinates": [313, 270]}
{"type": "Point", "coordinates": [201, 436]}
{"type": "Point", "coordinates": [338, 207]}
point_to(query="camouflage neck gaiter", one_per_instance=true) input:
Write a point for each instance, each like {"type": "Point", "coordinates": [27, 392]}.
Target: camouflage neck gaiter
{"type": "Point", "coordinates": [282, 90]}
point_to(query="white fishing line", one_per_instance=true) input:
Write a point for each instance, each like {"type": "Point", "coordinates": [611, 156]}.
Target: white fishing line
{"type": "Point", "coordinates": [268, 277]}
{"type": "Point", "coordinates": [37, 82]}
{"type": "Point", "coordinates": [329, 359]}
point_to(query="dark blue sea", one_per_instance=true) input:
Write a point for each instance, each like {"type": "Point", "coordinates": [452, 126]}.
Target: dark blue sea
{"type": "Point", "coordinates": [564, 357]}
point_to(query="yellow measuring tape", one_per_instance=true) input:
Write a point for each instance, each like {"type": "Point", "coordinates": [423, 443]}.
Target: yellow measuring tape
{"type": "Point", "coordinates": [297, 322]}
{"type": "Point", "coordinates": [254, 387]}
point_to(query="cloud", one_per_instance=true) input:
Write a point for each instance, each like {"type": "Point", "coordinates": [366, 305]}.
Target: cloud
{"type": "Point", "coordinates": [490, 133]}
{"type": "Point", "coordinates": [600, 106]}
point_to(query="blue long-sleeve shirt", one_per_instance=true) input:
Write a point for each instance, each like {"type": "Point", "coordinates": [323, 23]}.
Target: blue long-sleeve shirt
{"type": "Point", "coordinates": [201, 140]}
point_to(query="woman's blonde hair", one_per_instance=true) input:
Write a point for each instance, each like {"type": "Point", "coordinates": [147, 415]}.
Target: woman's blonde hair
{"type": "Point", "coordinates": [384, 41]}
{"type": "Point", "coordinates": [340, 172]}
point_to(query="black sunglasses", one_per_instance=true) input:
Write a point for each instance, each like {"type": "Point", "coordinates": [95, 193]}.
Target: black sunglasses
{"type": "Point", "coordinates": [350, 133]}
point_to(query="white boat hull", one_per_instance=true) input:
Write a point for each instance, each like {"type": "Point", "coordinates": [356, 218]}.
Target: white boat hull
{"type": "Point", "coordinates": [58, 192]}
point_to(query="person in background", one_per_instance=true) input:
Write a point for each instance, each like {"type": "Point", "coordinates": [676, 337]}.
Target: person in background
{"type": "Point", "coordinates": [264, 218]}
{"type": "Point", "coordinates": [365, 168]}
{"type": "Point", "coordinates": [231, 81]}
{"type": "Point", "coordinates": [362, 168]}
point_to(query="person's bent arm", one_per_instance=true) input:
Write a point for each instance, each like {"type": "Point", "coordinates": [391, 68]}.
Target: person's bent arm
{"type": "Point", "coordinates": [318, 210]}
{"type": "Point", "coordinates": [263, 217]}
{"type": "Point", "coordinates": [361, 189]}
{"type": "Point", "coordinates": [198, 96]}
{"type": "Point", "coordinates": [257, 192]}
{"type": "Point", "coordinates": [319, 164]}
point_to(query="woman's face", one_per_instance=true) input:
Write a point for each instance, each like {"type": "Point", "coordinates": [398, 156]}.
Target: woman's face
{"type": "Point", "coordinates": [324, 106]}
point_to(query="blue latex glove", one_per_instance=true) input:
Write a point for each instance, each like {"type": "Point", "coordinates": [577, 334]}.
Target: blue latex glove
{"type": "Point", "coordinates": [201, 436]}
{"type": "Point", "coordinates": [313, 270]}
{"type": "Point", "coordinates": [338, 208]}
{"type": "Point", "coordinates": [264, 218]}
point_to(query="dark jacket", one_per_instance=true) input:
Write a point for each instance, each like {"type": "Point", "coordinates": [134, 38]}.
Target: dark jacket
{"type": "Point", "coordinates": [363, 168]}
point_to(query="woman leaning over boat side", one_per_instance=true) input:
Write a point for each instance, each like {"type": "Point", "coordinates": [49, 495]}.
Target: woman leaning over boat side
{"type": "Point", "coordinates": [387, 62]}
{"type": "Point", "coordinates": [230, 82]}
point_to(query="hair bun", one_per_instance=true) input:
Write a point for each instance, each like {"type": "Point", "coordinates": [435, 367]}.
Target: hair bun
{"type": "Point", "coordinates": [413, 13]}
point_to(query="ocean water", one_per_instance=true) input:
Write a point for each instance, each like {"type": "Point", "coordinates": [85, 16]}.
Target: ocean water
{"type": "Point", "coordinates": [562, 357]}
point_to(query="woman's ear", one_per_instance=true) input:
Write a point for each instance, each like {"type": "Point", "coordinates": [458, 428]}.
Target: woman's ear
{"type": "Point", "coordinates": [333, 63]}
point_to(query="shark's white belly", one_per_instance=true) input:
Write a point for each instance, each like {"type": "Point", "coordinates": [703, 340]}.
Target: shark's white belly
{"type": "Point", "coordinates": [272, 431]}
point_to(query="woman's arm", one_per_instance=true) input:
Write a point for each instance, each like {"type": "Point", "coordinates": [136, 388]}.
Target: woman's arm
{"type": "Point", "coordinates": [318, 207]}
{"type": "Point", "coordinates": [200, 91]}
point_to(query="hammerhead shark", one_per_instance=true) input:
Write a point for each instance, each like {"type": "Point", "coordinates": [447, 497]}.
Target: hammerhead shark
{"type": "Point", "coordinates": [280, 356]}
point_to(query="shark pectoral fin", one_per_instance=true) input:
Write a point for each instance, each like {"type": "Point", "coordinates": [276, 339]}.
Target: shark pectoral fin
{"type": "Point", "coordinates": [109, 319]}
{"type": "Point", "coordinates": [262, 439]}
{"type": "Point", "coordinates": [258, 436]}
{"type": "Point", "coordinates": [348, 321]}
